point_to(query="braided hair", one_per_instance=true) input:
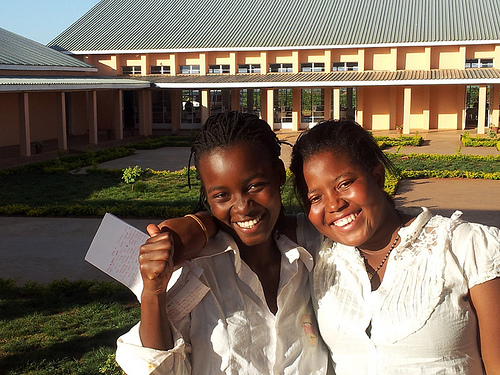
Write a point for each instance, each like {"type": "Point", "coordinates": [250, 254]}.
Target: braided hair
{"type": "Point", "coordinates": [343, 136]}
{"type": "Point", "coordinates": [228, 129]}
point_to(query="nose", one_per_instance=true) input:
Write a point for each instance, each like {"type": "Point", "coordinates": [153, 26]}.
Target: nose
{"type": "Point", "coordinates": [335, 202]}
{"type": "Point", "coordinates": [242, 204]}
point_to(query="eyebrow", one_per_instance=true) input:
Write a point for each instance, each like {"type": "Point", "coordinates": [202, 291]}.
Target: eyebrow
{"type": "Point", "coordinates": [247, 181]}
{"type": "Point", "coordinates": [335, 180]}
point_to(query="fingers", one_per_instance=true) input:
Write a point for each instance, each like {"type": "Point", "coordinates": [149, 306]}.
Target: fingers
{"type": "Point", "coordinates": [155, 257]}
{"type": "Point", "coordinates": [153, 230]}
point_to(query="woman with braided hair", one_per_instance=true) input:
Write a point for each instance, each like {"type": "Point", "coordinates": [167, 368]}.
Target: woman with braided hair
{"type": "Point", "coordinates": [243, 306]}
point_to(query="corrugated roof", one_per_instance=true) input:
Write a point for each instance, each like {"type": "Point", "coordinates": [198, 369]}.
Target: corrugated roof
{"type": "Point", "coordinates": [69, 83]}
{"type": "Point", "coordinates": [241, 24]}
{"type": "Point", "coordinates": [350, 78]}
{"type": "Point", "coordinates": [17, 51]}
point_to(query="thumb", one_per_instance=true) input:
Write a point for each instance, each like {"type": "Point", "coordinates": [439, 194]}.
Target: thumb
{"type": "Point", "coordinates": [153, 230]}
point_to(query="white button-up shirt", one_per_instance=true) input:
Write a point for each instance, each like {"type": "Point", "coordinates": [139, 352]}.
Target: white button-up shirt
{"type": "Point", "coordinates": [222, 322]}
{"type": "Point", "coordinates": [420, 317]}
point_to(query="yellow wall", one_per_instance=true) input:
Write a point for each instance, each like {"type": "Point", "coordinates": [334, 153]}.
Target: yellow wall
{"type": "Point", "coordinates": [415, 58]}
{"type": "Point", "coordinates": [447, 103]}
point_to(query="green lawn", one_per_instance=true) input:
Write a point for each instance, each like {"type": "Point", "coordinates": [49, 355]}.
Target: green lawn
{"type": "Point", "coordinates": [63, 328]}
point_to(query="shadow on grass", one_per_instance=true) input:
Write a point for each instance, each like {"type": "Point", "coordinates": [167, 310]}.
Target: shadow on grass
{"type": "Point", "coordinates": [70, 350]}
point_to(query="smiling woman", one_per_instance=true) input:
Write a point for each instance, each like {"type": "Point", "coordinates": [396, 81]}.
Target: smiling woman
{"type": "Point", "coordinates": [244, 305]}
{"type": "Point", "coordinates": [394, 291]}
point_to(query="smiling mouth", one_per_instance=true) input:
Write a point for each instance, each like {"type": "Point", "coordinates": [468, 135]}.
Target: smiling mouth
{"type": "Point", "coordinates": [249, 224]}
{"type": "Point", "coordinates": [345, 220]}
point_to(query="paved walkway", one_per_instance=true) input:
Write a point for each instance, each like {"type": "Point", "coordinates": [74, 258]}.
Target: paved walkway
{"type": "Point", "coordinates": [45, 249]}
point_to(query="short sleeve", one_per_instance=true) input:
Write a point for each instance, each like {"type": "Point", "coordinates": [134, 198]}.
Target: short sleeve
{"type": "Point", "coordinates": [307, 235]}
{"type": "Point", "coordinates": [477, 248]}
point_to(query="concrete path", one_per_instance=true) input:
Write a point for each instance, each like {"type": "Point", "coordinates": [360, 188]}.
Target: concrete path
{"type": "Point", "coordinates": [45, 249]}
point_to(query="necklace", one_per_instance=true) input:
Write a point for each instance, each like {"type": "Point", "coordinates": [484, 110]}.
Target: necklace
{"type": "Point", "coordinates": [372, 274]}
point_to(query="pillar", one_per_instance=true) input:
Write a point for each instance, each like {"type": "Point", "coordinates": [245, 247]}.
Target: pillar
{"type": "Point", "coordinates": [336, 103]}
{"type": "Point", "coordinates": [328, 103]}
{"type": "Point", "coordinates": [92, 116]}
{"type": "Point", "coordinates": [270, 107]}
{"type": "Point", "coordinates": [407, 110]}
{"type": "Point", "coordinates": [481, 115]}
{"type": "Point", "coordinates": [24, 124]}
{"type": "Point", "coordinates": [495, 102]}
{"type": "Point", "coordinates": [118, 118]}
{"type": "Point", "coordinates": [205, 105]}
{"type": "Point", "coordinates": [235, 99]}
{"type": "Point", "coordinates": [296, 108]}
{"type": "Point", "coordinates": [62, 136]}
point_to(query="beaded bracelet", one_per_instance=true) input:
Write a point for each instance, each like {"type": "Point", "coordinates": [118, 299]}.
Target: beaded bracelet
{"type": "Point", "coordinates": [200, 223]}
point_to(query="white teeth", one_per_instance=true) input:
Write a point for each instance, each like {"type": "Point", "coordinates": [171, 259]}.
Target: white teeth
{"type": "Point", "coordinates": [345, 220]}
{"type": "Point", "coordinates": [248, 224]}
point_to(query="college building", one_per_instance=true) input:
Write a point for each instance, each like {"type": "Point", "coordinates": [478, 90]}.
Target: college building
{"type": "Point", "coordinates": [164, 64]}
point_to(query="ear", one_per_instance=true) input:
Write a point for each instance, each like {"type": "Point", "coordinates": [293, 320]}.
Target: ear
{"type": "Point", "coordinates": [378, 174]}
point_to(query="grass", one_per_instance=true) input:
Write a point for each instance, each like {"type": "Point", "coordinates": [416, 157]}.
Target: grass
{"type": "Point", "coordinates": [159, 195]}
{"type": "Point", "coordinates": [64, 327]}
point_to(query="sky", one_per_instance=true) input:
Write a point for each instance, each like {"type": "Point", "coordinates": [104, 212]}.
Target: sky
{"type": "Point", "coordinates": [41, 20]}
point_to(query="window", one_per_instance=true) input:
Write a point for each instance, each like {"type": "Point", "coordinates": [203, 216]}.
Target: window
{"type": "Point", "coordinates": [249, 68]}
{"type": "Point", "coordinates": [344, 66]}
{"type": "Point", "coordinates": [191, 110]}
{"type": "Point", "coordinates": [312, 67]}
{"type": "Point", "coordinates": [131, 70]}
{"type": "Point", "coordinates": [313, 105]}
{"type": "Point", "coordinates": [160, 69]}
{"type": "Point", "coordinates": [250, 101]}
{"type": "Point", "coordinates": [218, 69]}
{"type": "Point", "coordinates": [478, 63]}
{"type": "Point", "coordinates": [280, 68]}
{"type": "Point", "coordinates": [190, 69]}
{"type": "Point", "coordinates": [283, 103]}
{"type": "Point", "coordinates": [220, 101]}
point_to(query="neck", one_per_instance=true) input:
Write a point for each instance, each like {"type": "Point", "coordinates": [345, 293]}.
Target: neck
{"type": "Point", "coordinates": [260, 256]}
{"type": "Point", "coordinates": [384, 236]}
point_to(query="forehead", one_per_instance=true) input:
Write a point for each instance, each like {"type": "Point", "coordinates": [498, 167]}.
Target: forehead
{"type": "Point", "coordinates": [328, 163]}
{"type": "Point", "coordinates": [231, 162]}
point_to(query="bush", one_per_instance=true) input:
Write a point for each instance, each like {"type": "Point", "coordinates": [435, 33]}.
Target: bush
{"type": "Point", "coordinates": [478, 141]}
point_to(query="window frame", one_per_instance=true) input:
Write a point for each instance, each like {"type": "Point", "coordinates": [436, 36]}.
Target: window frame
{"type": "Point", "coordinates": [281, 68]}
{"type": "Point", "coordinates": [314, 67]}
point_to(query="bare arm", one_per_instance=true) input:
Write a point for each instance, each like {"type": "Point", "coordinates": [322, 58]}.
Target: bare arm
{"type": "Point", "coordinates": [486, 301]}
{"type": "Point", "coordinates": [156, 266]}
{"type": "Point", "coordinates": [188, 235]}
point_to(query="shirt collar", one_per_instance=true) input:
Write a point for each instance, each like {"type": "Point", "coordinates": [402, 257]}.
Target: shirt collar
{"type": "Point", "coordinates": [223, 242]}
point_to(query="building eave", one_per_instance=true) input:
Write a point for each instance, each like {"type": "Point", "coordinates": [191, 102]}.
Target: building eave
{"type": "Point", "coordinates": [281, 48]}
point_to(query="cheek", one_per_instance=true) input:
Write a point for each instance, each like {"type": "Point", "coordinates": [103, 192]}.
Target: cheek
{"type": "Point", "coordinates": [315, 215]}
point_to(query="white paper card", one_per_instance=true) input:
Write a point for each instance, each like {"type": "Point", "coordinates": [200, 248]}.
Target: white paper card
{"type": "Point", "coordinates": [115, 251]}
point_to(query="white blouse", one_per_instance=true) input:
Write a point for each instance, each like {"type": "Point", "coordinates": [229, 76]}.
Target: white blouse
{"type": "Point", "coordinates": [420, 319]}
{"type": "Point", "coordinates": [223, 325]}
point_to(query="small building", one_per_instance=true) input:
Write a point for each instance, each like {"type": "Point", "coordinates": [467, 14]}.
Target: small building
{"type": "Point", "coordinates": [49, 97]}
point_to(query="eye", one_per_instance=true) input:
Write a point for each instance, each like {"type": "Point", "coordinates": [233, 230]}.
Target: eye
{"type": "Point", "coordinates": [256, 187]}
{"type": "Point", "coordinates": [221, 196]}
{"type": "Point", "coordinates": [343, 185]}
{"type": "Point", "coordinates": [314, 199]}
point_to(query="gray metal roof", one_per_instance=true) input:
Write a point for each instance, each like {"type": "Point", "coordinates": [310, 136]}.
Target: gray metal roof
{"type": "Point", "coordinates": [68, 83]}
{"type": "Point", "coordinates": [121, 25]}
{"type": "Point", "coordinates": [17, 52]}
{"type": "Point", "coordinates": [333, 79]}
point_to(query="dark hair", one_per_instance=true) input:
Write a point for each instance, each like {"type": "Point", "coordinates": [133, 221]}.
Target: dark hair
{"type": "Point", "coordinates": [343, 136]}
{"type": "Point", "coordinates": [227, 129]}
